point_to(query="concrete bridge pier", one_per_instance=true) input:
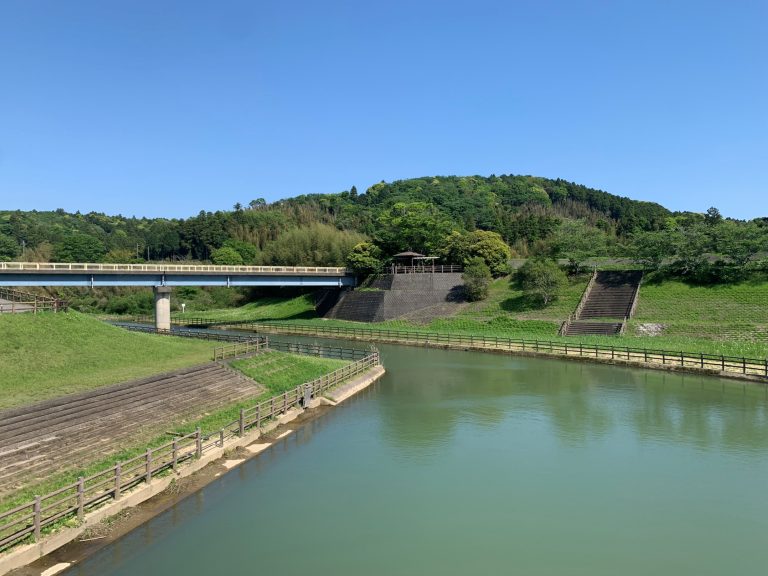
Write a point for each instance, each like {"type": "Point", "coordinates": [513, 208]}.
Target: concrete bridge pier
{"type": "Point", "coordinates": [162, 308]}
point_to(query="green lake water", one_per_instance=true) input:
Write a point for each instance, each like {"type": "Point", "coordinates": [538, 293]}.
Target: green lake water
{"type": "Point", "coordinates": [468, 463]}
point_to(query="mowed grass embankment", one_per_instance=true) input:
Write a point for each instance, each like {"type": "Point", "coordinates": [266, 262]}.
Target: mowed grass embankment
{"type": "Point", "coordinates": [731, 320]}
{"type": "Point", "coordinates": [46, 355]}
{"type": "Point", "coordinates": [720, 312]}
{"type": "Point", "coordinates": [281, 371]}
{"type": "Point", "coordinates": [300, 307]}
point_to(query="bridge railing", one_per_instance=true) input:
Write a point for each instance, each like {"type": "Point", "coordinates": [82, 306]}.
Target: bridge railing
{"type": "Point", "coordinates": [165, 267]}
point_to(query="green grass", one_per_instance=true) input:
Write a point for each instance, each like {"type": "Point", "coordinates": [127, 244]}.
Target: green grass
{"type": "Point", "coordinates": [506, 300]}
{"type": "Point", "coordinates": [545, 331]}
{"type": "Point", "coordinates": [730, 320]}
{"type": "Point", "coordinates": [47, 355]}
{"type": "Point", "coordinates": [300, 307]}
{"type": "Point", "coordinates": [733, 311]}
{"type": "Point", "coordinates": [277, 371]}
{"type": "Point", "coordinates": [280, 371]}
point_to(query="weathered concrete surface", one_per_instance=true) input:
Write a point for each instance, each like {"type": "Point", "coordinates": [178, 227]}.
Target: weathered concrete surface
{"type": "Point", "coordinates": [162, 308]}
{"type": "Point", "coordinates": [341, 393]}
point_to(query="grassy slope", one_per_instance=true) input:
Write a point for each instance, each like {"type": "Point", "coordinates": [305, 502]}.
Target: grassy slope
{"type": "Point", "coordinates": [301, 307]}
{"type": "Point", "coordinates": [47, 355]}
{"type": "Point", "coordinates": [738, 311]}
{"type": "Point", "coordinates": [280, 371]}
{"type": "Point", "coordinates": [730, 320]}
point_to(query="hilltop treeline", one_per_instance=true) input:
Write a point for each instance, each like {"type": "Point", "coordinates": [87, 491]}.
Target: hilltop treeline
{"type": "Point", "coordinates": [435, 215]}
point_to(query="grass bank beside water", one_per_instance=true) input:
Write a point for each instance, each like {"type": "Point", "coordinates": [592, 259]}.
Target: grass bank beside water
{"type": "Point", "coordinates": [276, 371]}
{"type": "Point", "coordinates": [47, 355]}
{"type": "Point", "coordinates": [281, 371]}
{"type": "Point", "coordinates": [730, 320]}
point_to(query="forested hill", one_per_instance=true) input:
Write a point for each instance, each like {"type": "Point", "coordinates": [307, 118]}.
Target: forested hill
{"type": "Point", "coordinates": [416, 213]}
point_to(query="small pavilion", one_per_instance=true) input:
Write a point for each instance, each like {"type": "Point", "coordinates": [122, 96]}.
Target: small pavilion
{"type": "Point", "coordinates": [407, 258]}
{"type": "Point", "coordinates": [413, 262]}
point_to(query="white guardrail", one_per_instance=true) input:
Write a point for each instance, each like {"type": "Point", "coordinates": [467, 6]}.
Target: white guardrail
{"type": "Point", "coordinates": [190, 268]}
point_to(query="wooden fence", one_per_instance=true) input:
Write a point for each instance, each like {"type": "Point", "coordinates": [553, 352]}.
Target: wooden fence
{"type": "Point", "coordinates": [19, 301]}
{"type": "Point", "coordinates": [31, 519]}
{"type": "Point", "coordinates": [728, 365]}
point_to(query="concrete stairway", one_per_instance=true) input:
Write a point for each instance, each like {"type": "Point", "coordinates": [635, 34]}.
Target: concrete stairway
{"type": "Point", "coordinates": [611, 298]}
{"type": "Point", "coordinates": [593, 328]}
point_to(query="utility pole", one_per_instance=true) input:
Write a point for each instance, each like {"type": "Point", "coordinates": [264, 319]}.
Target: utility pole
{"type": "Point", "coordinates": [23, 249]}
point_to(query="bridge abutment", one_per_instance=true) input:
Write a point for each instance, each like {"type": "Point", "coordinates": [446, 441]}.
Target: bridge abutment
{"type": "Point", "coordinates": [162, 308]}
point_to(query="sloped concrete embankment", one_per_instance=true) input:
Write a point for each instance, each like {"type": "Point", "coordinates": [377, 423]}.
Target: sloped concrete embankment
{"type": "Point", "coordinates": [396, 295]}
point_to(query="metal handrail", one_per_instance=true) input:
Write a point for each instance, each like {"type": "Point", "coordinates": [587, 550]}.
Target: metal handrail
{"type": "Point", "coordinates": [103, 267]}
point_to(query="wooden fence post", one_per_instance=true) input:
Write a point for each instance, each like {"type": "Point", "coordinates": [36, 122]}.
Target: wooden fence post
{"type": "Point", "coordinates": [258, 415]}
{"type": "Point", "coordinates": [36, 512]}
{"type": "Point", "coordinates": [80, 498]}
{"type": "Point", "coordinates": [198, 443]}
{"type": "Point", "coordinates": [118, 471]}
{"type": "Point", "coordinates": [175, 454]}
{"type": "Point", "coordinates": [148, 475]}
{"type": "Point", "coordinates": [221, 437]}
{"type": "Point", "coordinates": [241, 423]}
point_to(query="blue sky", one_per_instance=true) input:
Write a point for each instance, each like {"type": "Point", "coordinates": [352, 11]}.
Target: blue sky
{"type": "Point", "coordinates": [164, 108]}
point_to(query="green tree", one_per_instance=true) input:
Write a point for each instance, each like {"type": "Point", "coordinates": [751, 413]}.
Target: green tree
{"type": "Point", "coordinates": [248, 252]}
{"type": "Point", "coordinates": [79, 248]}
{"type": "Point", "coordinates": [477, 279]}
{"type": "Point", "coordinates": [542, 279]}
{"type": "Point", "coordinates": [577, 241]}
{"type": "Point", "coordinates": [226, 256]}
{"type": "Point", "coordinates": [314, 245]}
{"type": "Point", "coordinates": [712, 217]}
{"type": "Point", "coordinates": [364, 258]}
{"type": "Point", "coordinates": [650, 249]}
{"type": "Point", "coordinates": [9, 249]}
{"type": "Point", "coordinates": [416, 226]}
{"type": "Point", "coordinates": [459, 247]}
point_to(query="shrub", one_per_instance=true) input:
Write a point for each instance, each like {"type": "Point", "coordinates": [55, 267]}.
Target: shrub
{"type": "Point", "coordinates": [477, 279]}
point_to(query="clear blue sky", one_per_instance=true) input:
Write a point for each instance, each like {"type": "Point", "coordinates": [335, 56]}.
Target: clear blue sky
{"type": "Point", "coordinates": [164, 108]}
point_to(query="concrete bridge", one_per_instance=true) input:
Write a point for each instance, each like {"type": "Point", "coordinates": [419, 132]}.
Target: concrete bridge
{"type": "Point", "coordinates": [162, 277]}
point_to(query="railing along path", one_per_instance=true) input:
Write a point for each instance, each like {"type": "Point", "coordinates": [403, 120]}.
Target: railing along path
{"type": "Point", "coordinates": [19, 301]}
{"type": "Point", "coordinates": [648, 357]}
{"type": "Point", "coordinates": [31, 519]}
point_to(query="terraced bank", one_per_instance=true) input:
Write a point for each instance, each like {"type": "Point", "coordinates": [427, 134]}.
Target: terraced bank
{"type": "Point", "coordinates": [70, 432]}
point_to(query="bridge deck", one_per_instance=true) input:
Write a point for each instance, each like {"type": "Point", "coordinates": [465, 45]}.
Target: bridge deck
{"type": "Point", "coordinates": [95, 274]}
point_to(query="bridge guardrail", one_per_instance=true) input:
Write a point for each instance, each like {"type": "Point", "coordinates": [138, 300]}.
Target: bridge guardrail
{"type": "Point", "coordinates": [105, 267]}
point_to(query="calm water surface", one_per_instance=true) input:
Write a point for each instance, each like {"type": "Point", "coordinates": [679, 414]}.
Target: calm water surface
{"type": "Point", "coordinates": [470, 463]}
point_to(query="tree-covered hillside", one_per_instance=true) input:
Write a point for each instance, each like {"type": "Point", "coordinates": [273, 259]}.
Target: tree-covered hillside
{"type": "Point", "coordinates": [454, 217]}
{"type": "Point", "coordinates": [522, 209]}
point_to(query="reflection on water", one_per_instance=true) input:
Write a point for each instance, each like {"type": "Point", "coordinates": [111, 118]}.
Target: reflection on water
{"type": "Point", "coordinates": [468, 463]}
{"type": "Point", "coordinates": [426, 400]}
